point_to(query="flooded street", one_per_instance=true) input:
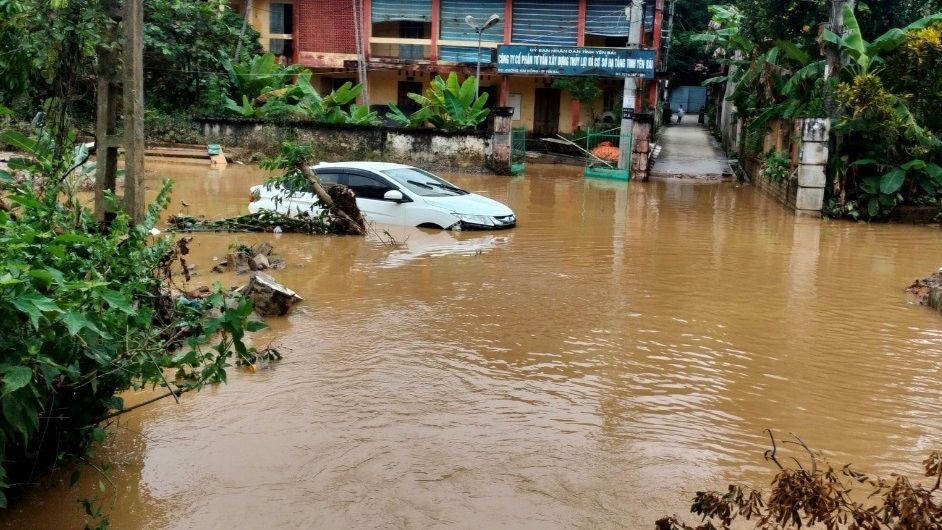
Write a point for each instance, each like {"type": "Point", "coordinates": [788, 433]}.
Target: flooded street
{"type": "Point", "coordinates": [621, 348]}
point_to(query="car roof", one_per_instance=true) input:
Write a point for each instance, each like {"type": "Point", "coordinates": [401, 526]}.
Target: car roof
{"type": "Point", "coordinates": [369, 166]}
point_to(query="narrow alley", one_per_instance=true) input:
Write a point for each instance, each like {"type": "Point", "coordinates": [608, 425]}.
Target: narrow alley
{"type": "Point", "coordinates": [688, 151]}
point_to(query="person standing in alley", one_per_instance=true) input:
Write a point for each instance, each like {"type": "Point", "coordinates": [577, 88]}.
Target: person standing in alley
{"type": "Point", "coordinates": [680, 114]}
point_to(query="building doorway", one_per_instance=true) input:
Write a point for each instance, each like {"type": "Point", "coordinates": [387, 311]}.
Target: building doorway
{"type": "Point", "coordinates": [403, 101]}
{"type": "Point", "coordinates": [546, 112]}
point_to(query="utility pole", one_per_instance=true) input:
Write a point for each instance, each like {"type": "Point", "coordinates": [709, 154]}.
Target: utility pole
{"type": "Point", "coordinates": [634, 14]}
{"type": "Point", "coordinates": [106, 141]}
{"type": "Point", "coordinates": [130, 77]}
{"type": "Point", "coordinates": [670, 32]}
{"type": "Point", "coordinates": [358, 32]}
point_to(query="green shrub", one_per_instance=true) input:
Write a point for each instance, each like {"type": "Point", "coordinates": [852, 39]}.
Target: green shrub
{"type": "Point", "coordinates": [171, 128]}
{"type": "Point", "coordinates": [86, 313]}
{"type": "Point", "coordinates": [777, 166]}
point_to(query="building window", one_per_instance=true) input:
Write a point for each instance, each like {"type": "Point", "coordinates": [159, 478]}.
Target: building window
{"type": "Point", "coordinates": [606, 24]}
{"type": "Point", "coordinates": [283, 47]}
{"type": "Point", "coordinates": [280, 19]}
{"type": "Point", "coordinates": [401, 19]}
{"type": "Point", "coordinates": [281, 22]}
{"type": "Point", "coordinates": [413, 30]}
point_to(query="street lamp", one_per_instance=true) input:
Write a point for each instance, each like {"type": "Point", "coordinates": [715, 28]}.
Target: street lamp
{"type": "Point", "coordinates": [479, 28]}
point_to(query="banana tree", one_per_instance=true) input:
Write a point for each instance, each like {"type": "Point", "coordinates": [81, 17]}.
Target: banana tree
{"type": "Point", "coordinates": [770, 80]}
{"type": "Point", "coordinates": [414, 120]}
{"type": "Point", "coordinates": [864, 63]}
{"type": "Point", "coordinates": [447, 104]}
{"type": "Point", "coordinates": [889, 151]}
{"type": "Point", "coordinates": [330, 108]}
{"type": "Point", "coordinates": [864, 56]}
{"type": "Point", "coordinates": [257, 78]}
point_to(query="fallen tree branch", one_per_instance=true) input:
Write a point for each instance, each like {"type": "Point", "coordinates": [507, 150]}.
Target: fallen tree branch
{"type": "Point", "coordinates": [175, 393]}
{"type": "Point", "coordinates": [354, 221]}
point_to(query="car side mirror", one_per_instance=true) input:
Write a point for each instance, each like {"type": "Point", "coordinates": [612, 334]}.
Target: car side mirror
{"type": "Point", "coordinates": [394, 195]}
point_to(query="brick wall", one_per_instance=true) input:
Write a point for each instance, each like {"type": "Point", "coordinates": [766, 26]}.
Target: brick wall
{"type": "Point", "coordinates": [785, 192]}
{"type": "Point", "coordinates": [325, 27]}
{"type": "Point", "coordinates": [803, 191]}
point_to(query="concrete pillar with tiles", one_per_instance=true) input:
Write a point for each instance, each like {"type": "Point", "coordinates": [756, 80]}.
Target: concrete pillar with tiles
{"type": "Point", "coordinates": [812, 163]}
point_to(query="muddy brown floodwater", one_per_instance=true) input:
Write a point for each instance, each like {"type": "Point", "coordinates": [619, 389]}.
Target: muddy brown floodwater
{"type": "Point", "coordinates": [620, 349]}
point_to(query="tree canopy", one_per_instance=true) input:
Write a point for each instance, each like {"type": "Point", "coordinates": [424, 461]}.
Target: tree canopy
{"type": "Point", "coordinates": [50, 50]}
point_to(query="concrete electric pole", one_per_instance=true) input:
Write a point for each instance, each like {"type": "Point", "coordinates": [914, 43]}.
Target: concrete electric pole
{"type": "Point", "coordinates": [634, 15]}
{"type": "Point", "coordinates": [130, 79]}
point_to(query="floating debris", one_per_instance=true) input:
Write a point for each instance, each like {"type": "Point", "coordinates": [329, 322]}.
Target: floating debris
{"type": "Point", "coordinates": [265, 221]}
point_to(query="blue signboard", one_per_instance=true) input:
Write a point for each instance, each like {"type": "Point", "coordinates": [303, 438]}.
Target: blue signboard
{"type": "Point", "coordinates": [562, 60]}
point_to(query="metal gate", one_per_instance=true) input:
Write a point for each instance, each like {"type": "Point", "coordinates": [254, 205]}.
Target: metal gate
{"type": "Point", "coordinates": [518, 150]}
{"type": "Point", "coordinates": [602, 151]}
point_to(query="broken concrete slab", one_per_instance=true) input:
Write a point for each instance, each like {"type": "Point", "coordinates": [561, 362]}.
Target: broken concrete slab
{"type": "Point", "coordinates": [269, 297]}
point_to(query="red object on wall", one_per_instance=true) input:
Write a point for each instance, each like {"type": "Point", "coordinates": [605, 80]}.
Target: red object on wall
{"type": "Point", "coordinates": [436, 23]}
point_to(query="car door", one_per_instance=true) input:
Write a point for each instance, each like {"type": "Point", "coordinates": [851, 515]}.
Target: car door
{"type": "Point", "coordinates": [369, 190]}
{"type": "Point", "coordinates": [307, 201]}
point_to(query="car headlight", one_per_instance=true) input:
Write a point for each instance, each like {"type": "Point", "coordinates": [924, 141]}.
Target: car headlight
{"type": "Point", "coordinates": [485, 220]}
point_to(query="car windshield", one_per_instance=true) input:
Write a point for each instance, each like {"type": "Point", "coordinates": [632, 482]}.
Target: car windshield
{"type": "Point", "coordinates": [423, 183]}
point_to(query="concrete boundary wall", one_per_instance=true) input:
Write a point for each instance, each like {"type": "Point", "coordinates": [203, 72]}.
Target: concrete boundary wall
{"type": "Point", "coordinates": [424, 147]}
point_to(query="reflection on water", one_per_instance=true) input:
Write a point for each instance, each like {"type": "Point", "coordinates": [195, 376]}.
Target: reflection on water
{"type": "Point", "coordinates": [408, 245]}
{"type": "Point", "coordinates": [623, 347]}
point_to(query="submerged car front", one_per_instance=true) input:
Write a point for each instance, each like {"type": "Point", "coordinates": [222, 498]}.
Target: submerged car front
{"type": "Point", "coordinates": [462, 209]}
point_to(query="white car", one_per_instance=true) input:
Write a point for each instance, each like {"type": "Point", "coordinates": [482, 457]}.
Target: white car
{"type": "Point", "coordinates": [393, 194]}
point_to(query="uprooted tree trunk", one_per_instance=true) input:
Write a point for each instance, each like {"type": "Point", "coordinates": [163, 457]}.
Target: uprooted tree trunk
{"type": "Point", "coordinates": [341, 203]}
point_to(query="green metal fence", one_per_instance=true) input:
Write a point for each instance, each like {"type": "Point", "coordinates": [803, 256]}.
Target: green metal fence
{"type": "Point", "coordinates": [602, 151]}
{"type": "Point", "coordinates": [518, 150]}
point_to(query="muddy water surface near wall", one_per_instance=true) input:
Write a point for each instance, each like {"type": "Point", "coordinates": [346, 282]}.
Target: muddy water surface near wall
{"type": "Point", "coordinates": [622, 348]}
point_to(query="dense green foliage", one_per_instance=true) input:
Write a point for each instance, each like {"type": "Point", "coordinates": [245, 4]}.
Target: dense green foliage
{"type": "Point", "coordinates": [689, 61]}
{"type": "Point", "coordinates": [879, 16]}
{"type": "Point", "coordinates": [447, 104]}
{"type": "Point", "coordinates": [87, 311]}
{"type": "Point", "coordinates": [889, 154]}
{"type": "Point", "coordinates": [776, 166]}
{"type": "Point", "coordinates": [888, 150]}
{"type": "Point", "coordinates": [50, 50]}
{"type": "Point", "coordinates": [185, 46]}
{"type": "Point", "coordinates": [262, 88]}
{"type": "Point", "coordinates": [772, 78]}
